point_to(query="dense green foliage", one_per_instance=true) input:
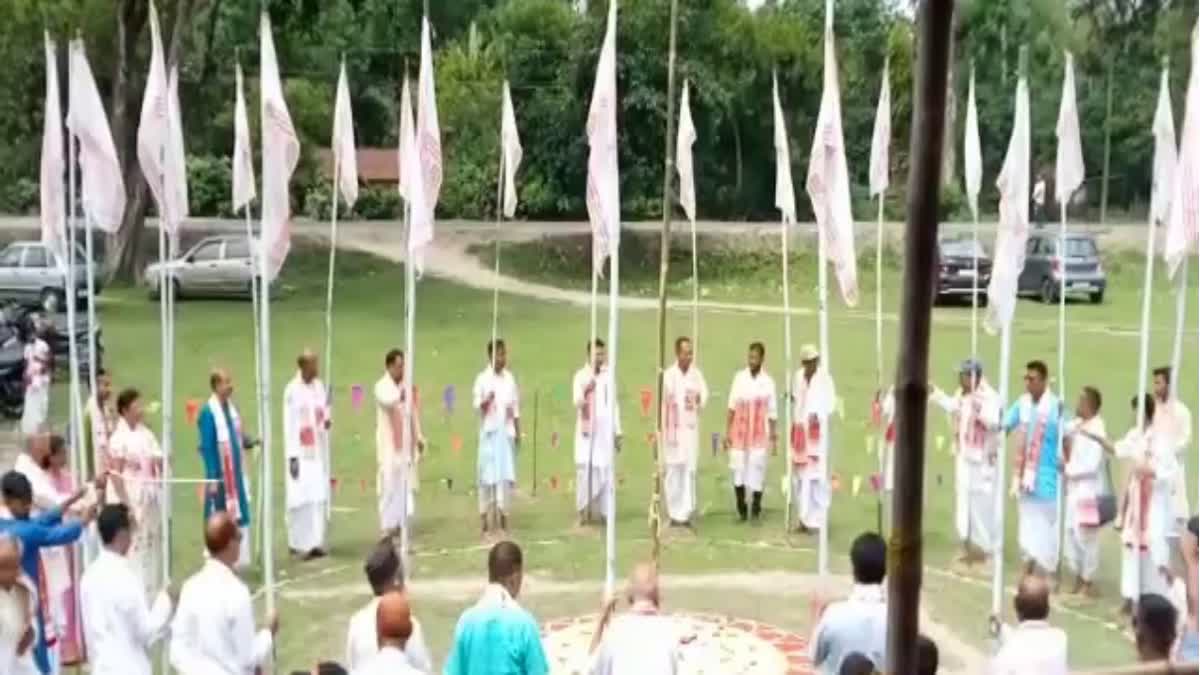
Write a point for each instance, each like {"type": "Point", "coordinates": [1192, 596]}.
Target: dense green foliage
{"type": "Point", "coordinates": [547, 50]}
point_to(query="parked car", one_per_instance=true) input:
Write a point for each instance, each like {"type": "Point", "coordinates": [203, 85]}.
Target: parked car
{"type": "Point", "coordinates": [1044, 267]}
{"type": "Point", "coordinates": [219, 266]}
{"type": "Point", "coordinates": [963, 268]}
{"type": "Point", "coordinates": [35, 275]}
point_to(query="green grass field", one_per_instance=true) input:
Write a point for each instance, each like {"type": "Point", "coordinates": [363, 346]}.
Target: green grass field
{"type": "Point", "coordinates": [546, 344]}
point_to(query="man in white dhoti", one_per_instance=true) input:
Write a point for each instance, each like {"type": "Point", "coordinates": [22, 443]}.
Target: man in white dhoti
{"type": "Point", "coordinates": [685, 393]}
{"type": "Point", "coordinates": [399, 444]}
{"type": "Point", "coordinates": [38, 366]}
{"type": "Point", "coordinates": [641, 640]}
{"type": "Point", "coordinates": [136, 461]}
{"type": "Point", "coordinates": [306, 422]}
{"type": "Point", "coordinates": [213, 630]}
{"type": "Point", "coordinates": [1085, 463]}
{"type": "Point", "coordinates": [100, 421]}
{"type": "Point", "coordinates": [1036, 417]}
{"type": "Point", "coordinates": [884, 419]}
{"type": "Point", "coordinates": [496, 397]}
{"type": "Point", "coordinates": [385, 575]}
{"type": "Point", "coordinates": [120, 625]}
{"type": "Point", "coordinates": [1173, 425]}
{"type": "Point", "coordinates": [1034, 646]}
{"type": "Point", "coordinates": [750, 430]}
{"type": "Point", "coordinates": [974, 411]}
{"type": "Point", "coordinates": [16, 612]}
{"type": "Point", "coordinates": [395, 628]}
{"type": "Point", "coordinates": [597, 434]}
{"type": "Point", "coordinates": [814, 400]}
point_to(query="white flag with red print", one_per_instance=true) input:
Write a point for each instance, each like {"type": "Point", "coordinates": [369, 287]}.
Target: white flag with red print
{"type": "Point", "coordinates": [1068, 165]}
{"type": "Point", "coordinates": [603, 179]}
{"type": "Point", "coordinates": [429, 150]}
{"type": "Point", "coordinates": [785, 191]}
{"type": "Point", "coordinates": [53, 166]}
{"type": "Point", "coordinates": [280, 154]}
{"type": "Point", "coordinates": [683, 155]}
{"type": "Point", "coordinates": [829, 182]}
{"type": "Point", "coordinates": [412, 185]}
{"type": "Point", "coordinates": [244, 191]}
{"type": "Point", "coordinates": [154, 127]}
{"type": "Point", "coordinates": [407, 140]}
{"type": "Point", "coordinates": [881, 139]}
{"type": "Point", "coordinates": [1165, 156]}
{"type": "Point", "coordinates": [102, 187]}
{"type": "Point", "coordinates": [175, 180]}
{"type": "Point", "coordinates": [345, 153]}
{"type": "Point", "coordinates": [1183, 224]}
{"type": "Point", "coordinates": [972, 155]}
{"type": "Point", "coordinates": [1013, 229]}
{"type": "Point", "coordinates": [510, 146]}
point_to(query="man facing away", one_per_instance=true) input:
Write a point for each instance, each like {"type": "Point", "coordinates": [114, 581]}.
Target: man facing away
{"type": "Point", "coordinates": [685, 393]}
{"type": "Point", "coordinates": [859, 623]}
{"type": "Point", "coordinates": [750, 430]}
{"type": "Point", "coordinates": [1034, 646]}
{"type": "Point", "coordinates": [213, 631]}
{"type": "Point", "coordinates": [223, 446]}
{"type": "Point", "coordinates": [641, 640]}
{"type": "Point", "coordinates": [101, 422]}
{"type": "Point", "coordinates": [395, 627]}
{"type": "Point", "coordinates": [496, 398]}
{"type": "Point", "coordinates": [497, 636]}
{"type": "Point", "coordinates": [120, 625]}
{"type": "Point", "coordinates": [1037, 418]}
{"type": "Point", "coordinates": [398, 445]}
{"type": "Point", "coordinates": [1154, 627]}
{"type": "Point", "coordinates": [814, 400]}
{"type": "Point", "coordinates": [384, 573]}
{"type": "Point", "coordinates": [1082, 470]}
{"type": "Point", "coordinates": [1173, 426]}
{"type": "Point", "coordinates": [974, 411]}
{"type": "Point", "coordinates": [306, 422]}
{"type": "Point", "coordinates": [597, 433]}
{"type": "Point", "coordinates": [16, 611]}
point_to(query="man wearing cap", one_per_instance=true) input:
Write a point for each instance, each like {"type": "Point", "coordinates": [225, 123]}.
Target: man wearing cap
{"type": "Point", "coordinates": [750, 430]}
{"type": "Point", "coordinates": [813, 402]}
{"type": "Point", "coordinates": [974, 411]}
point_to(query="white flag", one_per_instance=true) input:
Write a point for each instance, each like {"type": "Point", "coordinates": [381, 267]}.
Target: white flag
{"type": "Point", "coordinates": [510, 147]}
{"type": "Point", "coordinates": [407, 141]}
{"type": "Point", "coordinates": [683, 155]}
{"type": "Point", "coordinates": [412, 186]}
{"type": "Point", "coordinates": [972, 155]}
{"type": "Point", "coordinates": [101, 183]}
{"type": "Point", "coordinates": [154, 127]}
{"type": "Point", "coordinates": [785, 191]}
{"type": "Point", "coordinates": [429, 149]}
{"type": "Point", "coordinates": [175, 162]}
{"type": "Point", "coordinates": [604, 179]}
{"type": "Point", "coordinates": [1164, 152]}
{"type": "Point", "coordinates": [280, 154]}
{"type": "Point", "coordinates": [882, 138]}
{"type": "Point", "coordinates": [1013, 229]}
{"type": "Point", "coordinates": [243, 152]}
{"type": "Point", "coordinates": [345, 151]}
{"type": "Point", "coordinates": [829, 182]}
{"type": "Point", "coordinates": [1183, 224]}
{"type": "Point", "coordinates": [53, 169]}
{"type": "Point", "coordinates": [1068, 165]}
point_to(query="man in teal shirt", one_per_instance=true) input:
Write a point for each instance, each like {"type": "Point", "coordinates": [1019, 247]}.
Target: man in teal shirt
{"type": "Point", "coordinates": [222, 448]}
{"type": "Point", "coordinates": [497, 636]}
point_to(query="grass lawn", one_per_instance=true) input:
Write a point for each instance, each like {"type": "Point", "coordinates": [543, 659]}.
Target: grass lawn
{"type": "Point", "coordinates": [546, 344]}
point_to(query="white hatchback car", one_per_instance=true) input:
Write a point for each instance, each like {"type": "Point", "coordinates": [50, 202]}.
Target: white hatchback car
{"type": "Point", "coordinates": [219, 266]}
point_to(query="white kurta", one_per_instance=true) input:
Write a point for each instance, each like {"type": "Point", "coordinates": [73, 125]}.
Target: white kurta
{"type": "Point", "coordinates": [37, 387]}
{"type": "Point", "coordinates": [213, 631]}
{"type": "Point", "coordinates": [397, 433]}
{"type": "Point", "coordinates": [639, 642]}
{"type": "Point", "coordinates": [119, 624]}
{"type": "Point", "coordinates": [362, 641]}
{"type": "Point", "coordinates": [1173, 423]}
{"type": "Point", "coordinates": [137, 453]}
{"type": "Point", "coordinates": [597, 426]}
{"type": "Point", "coordinates": [1082, 473]}
{"type": "Point", "coordinates": [306, 415]}
{"type": "Point", "coordinates": [16, 615]}
{"type": "Point", "coordinates": [813, 403]}
{"type": "Point", "coordinates": [1147, 517]}
{"type": "Point", "coordinates": [496, 399]}
{"type": "Point", "coordinates": [887, 420]}
{"type": "Point", "coordinates": [56, 564]}
{"type": "Point", "coordinates": [754, 404]}
{"type": "Point", "coordinates": [388, 661]}
{"type": "Point", "coordinates": [684, 398]}
{"type": "Point", "coordinates": [976, 419]}
{"type": "Point", "coordinates": [1031, 647]}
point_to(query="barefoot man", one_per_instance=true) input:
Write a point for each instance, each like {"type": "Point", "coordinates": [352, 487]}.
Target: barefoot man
{"type": "Point", "coordinates": [597, 434]}
{"type": "Point", "coordinates": [496, 398]}
{"type": "Point", "coordinates": [685, 393]}
{"type": "Point", "coordinates": [397, 435]}
{"type": "Point", "coordinates": [223, 446]}
{"type": "Point", "coordinates": [1082, 468]}
{"type": "Point", "coordinates": [1037, 419]}
{"type": "Point", "coordinates": [306, 421]}
{"type": "Point", "coordinates": [813, 404]}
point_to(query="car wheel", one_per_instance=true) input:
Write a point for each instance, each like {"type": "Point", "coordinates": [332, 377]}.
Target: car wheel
{"type": "Point", "coordinates": [1097, 297]}
{"type": "Point", "coordinates": [1049, 293]}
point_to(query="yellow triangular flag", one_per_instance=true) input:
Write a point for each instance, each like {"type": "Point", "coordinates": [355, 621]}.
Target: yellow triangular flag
{"type": "Point", "coordinates": [856, 485]}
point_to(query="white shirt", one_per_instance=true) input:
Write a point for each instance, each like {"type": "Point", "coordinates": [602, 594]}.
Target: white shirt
{"type": "Point", "coordinates": [1173, 423]}
{"type": "Point", "coordinates": [16, 607]}
{"type": "Point", "coordinates": [684, 397]}
{"type": "Point", "coordinates": [1031, 647]}
{"type": "Point", "coordinates": [753, 402]}
{"type": "Point", "coordinates": [306, 440]}
{"type": "Point", "coordinates": [213, 631]}
{"type": "Point", "coordinates": [119, 627]}
{"type": "Point", "coordinates": [595, 413]}
{"type": "Point", "coordinates": [857, 624]}
{"type": "Point", "coordinates": [639, 642]}
{"type": "Point", "coordinates": [505, 406]}
{"type": "Point", "coordinates": [37, 365]}
{"type": "Point", "coordinates": [387, 661]}
{"type": "Point", "coordinates": [362, 641]}
{"type": "Point", "coordinates": [392, 407]}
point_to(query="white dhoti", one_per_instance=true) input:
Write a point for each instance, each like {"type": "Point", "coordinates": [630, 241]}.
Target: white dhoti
{"type": "Point", "coordinates": [496, 470]}
{"type": "Point", "coordinates": [306, 526]}
{"type": "Point", "coordinates": [811, 495]}
{"type": "Point", "coordinates": [962, 496]}
{"type": "Point", "coordinates": [1037, 532]}
{"type": "Point", "coordinates": [1179, 499]}
{"type": "Point", "coordinates": [36, 409]}
{"type": "Point", "coordinates": [980, 505]}
{"type": "Point", "coordinates": [679, 483]}
{"type": "Point", "coordinates": [1139, 577]}
{"type": "Point", "coordinates": [597, 500]}
{"type": "Point", "coordinates": [395, 500]}
{"type": "Point", "coordinates": [749, 468]}
{"type": "Point", "coordinates": [1083, 551]}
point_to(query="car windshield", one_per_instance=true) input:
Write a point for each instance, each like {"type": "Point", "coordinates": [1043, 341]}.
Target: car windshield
{"type": "Point", "coordinates": [962, 249]}
{"type": "Point", "coordinates": [1081, 248]}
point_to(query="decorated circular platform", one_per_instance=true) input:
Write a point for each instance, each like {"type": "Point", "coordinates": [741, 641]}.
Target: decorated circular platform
{"type": "Point", "coordinates": [718, 646]}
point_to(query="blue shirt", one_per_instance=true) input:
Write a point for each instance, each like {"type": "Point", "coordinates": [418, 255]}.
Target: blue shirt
{"type": "Point", "coordinates": [1046, 414]}
{"type": "Point", "coordinates": [210, 452]}
{"type": "Point", "coordinates": [497, 640]}
{"type": "Point", "coordinates": [41, 531]}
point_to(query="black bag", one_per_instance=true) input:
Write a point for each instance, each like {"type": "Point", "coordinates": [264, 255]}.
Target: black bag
{"type": "Point", "coordinates": [1106, 501]}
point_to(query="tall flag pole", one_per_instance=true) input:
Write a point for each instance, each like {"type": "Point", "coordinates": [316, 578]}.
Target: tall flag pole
{"type": "Point", "coordinates": [511, 154]}
{"type": "Point", "coordinates": [785, 201]}
{"type": "Point", "coordinates": [53, 166]}
{"type": "Point", "coordinates": [1068, 176]}
{"type": "Point", "coordinates": [280, 155]}
{"type": "Point", "coordinates": [828, 188]}
{"type": "Point", "coordinates": [973, 176]}
{"type": "Point", "coordinates": [881, 140]}
{"type": "Point", "coordinates": [604, 211]}
{"type": "Point", "coordinates": [1011, 234]}
{"type": "Point", "coordinates": [684, 165]}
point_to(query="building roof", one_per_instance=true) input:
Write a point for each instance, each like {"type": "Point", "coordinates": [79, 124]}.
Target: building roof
{"type": "Point", "coordinates": [375, 165]}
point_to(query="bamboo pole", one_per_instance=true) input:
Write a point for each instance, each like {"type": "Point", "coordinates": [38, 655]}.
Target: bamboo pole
{"type": "Point", "coordinates": [912, 387]}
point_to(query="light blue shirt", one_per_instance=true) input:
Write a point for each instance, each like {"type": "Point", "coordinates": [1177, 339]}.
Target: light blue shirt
{"type": "Point", "coordinates": [1046, 413]}
{"type": "Point", "coordinates": [857, 624]}
{"type": "Point", "coordinates": [497, 637]}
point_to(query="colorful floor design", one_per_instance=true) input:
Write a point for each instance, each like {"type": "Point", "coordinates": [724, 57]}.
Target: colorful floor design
{"type": "Point", "coordinates": [720, 646]}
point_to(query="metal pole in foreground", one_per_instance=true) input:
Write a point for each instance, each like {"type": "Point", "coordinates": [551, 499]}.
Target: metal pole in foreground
{"type": "Point", "coordinates": [912, 387]}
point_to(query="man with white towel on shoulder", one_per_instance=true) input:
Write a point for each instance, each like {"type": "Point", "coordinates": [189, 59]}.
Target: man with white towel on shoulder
{"type": "Point", "coordinates": [685, 393]}
{"type": "Point", "coordinates": [399, 444]}
{"type": "Point", "coordinates": [814, 401]}
{"type": "Point", "coordinates": [306, 422]}
{"type": "Point", "coordinates": [497, 399]}
{"type": "Point", "coordinates": [1173, 426]}
{"type": "Point", "coordinates": [751, 430]}
{"type": "Point", "coordinates": [597, 433]}
{"type": "Point", "coordinates": [1084, 465]}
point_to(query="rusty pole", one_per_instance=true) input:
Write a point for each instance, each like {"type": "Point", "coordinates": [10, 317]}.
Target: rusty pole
{"type": "Point", "coordinates": [912, 373]}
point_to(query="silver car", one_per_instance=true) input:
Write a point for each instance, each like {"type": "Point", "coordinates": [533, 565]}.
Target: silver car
{"type": "Point", "coordinates": [33, 273]}
{"type": "Point", "coordinates": [1044, 267]}
{"type": "Point", "coordinates": [216, 266]}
